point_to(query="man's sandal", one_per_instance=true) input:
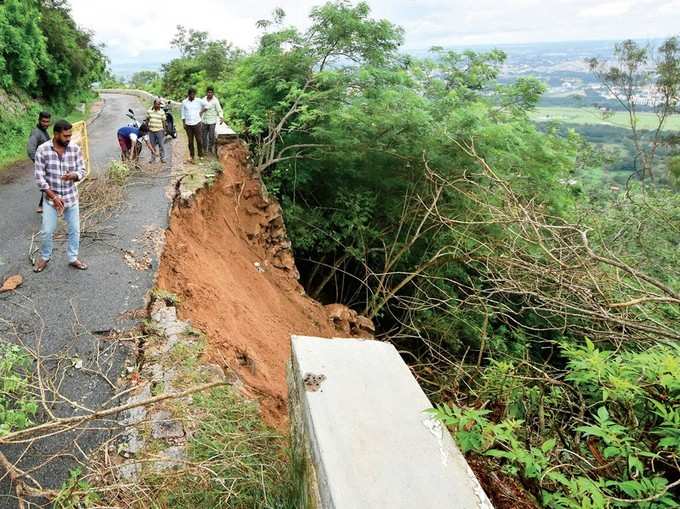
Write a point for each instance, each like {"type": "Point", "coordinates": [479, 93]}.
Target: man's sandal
{"type": "Point", "coordinates": [40, 265]}
{"type": "Point", "coordinates": [78, 265]}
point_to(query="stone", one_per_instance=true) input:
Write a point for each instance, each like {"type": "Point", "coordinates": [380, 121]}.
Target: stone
{"type": "Point", "coordinates": [134, 443]}
{"type": "Point", "coordinates": [213, 372]}
{"type": "Point", "coordinates": [130, 471]}
{"type": "Point", "coordinates": [172, 457]}
{"type": "Point", "coordinates": [137, 414]}
{"type": "Point", "coordinates": [163, 426]}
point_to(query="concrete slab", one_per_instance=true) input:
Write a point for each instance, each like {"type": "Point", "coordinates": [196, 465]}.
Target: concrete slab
{"type": "Point", "coordinates": [362, 418]}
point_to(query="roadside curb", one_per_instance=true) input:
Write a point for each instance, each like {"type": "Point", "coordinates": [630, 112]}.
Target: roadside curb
{"type": "Point", "coordinates": [98, 114]}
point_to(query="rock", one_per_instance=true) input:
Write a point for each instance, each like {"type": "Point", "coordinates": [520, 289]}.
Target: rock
{"type": "Point", "coordinates": [134, 443]}
{"type": "Point", "coordinates": [137, 414]}
{"type": "Point", "coordinates": [130, 471]}
{"type": "Point", "coordinates": [213, 372]}
{"type": "Point", "coordinates": [365, 325]}
{"type": "Point", "coordinates": [161, 312]}
{"type": "Point", "coordinates": [349, 323]}
{"type": "Point", "coordinates": [12, 283]}
{"type": "Point", "coordinates": [172, 457]}
{"type": "Point", "coordinates": [163, 425]}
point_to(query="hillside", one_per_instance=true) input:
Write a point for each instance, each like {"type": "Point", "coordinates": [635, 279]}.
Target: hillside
{"type": "Point", "coordinates": [227, 257]}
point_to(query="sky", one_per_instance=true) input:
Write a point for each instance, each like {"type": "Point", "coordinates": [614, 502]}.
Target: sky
{"type": "Point", "coordinates": [135, 30]}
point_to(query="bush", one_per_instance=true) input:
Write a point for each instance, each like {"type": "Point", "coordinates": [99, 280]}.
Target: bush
{"type": "Point", "coordinates": [611, 427]}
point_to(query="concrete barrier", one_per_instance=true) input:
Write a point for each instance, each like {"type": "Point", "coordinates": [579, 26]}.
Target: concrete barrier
{"type": "Point", "coordinates": [142, 94]}
{"type": "Point", "coordinates": [359, 421]}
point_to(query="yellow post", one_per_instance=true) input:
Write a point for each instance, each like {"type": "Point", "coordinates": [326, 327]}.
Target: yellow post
{"type": "Point", "coordinates": [80, 138]}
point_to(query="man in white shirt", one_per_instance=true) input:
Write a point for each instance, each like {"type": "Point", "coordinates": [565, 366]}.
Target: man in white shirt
{"type": "Point", "coordinates": [212, 114]}
{"type": "Point", "coordinates": [191, 111]}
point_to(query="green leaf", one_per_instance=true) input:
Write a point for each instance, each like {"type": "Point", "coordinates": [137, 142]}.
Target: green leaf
{"type": "Point", "coordinates": [548, 445]}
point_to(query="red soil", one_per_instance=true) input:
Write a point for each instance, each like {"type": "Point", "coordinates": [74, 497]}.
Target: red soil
{"type": "Point", "coordinates": [248, 314]}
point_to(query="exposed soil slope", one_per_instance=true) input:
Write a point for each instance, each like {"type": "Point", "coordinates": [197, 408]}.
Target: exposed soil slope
{"type": "Point", "coordinates": [228, 258]}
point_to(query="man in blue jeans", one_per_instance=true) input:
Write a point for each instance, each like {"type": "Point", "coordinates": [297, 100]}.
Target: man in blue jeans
{"type": "Point", "coordinates": [58, 166]}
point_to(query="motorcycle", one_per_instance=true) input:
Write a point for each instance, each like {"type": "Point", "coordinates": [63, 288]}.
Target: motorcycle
{"type": "Point", "coordinates": [134, 122]}
{"type": "Point", "coordinates": [170, 129]}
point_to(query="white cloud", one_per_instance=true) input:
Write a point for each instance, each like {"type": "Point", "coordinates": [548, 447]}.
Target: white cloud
{"type": "Point", "coordinates": [606, 10]}
{"type": "Point", "coordinates": [131, 27]}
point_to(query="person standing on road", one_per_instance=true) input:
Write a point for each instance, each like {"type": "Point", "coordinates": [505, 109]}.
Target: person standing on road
{"type": "Point", "coordinates": [191, 111]}
{"type": "Point", "coordinates": [212, 114]}
{"type": "Point", "coordinates": [156, 120]}
{"type": "Point", "coordinates": [39, 135]}
{"type": "Point", "coordinates": [59, 165]}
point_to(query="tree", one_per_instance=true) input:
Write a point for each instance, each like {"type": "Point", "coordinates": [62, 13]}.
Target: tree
{"type": "Point", "coordinates": [639, 75]}
{"type": "Point", "coordinates": [190, 42]}
{"type": "Point", "coordinates": [23, 50]}
{"type": "Point", "coordinates": [144, 79]}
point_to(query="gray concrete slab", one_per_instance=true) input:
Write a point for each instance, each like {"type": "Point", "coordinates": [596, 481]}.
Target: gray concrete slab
{"type": "Point", "coordinates": [370, 439]}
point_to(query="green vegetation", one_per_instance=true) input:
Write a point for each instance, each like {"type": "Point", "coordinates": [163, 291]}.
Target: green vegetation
{"type": "Point", "coordinates": [421, 192]}
{"type": "Point", "coordinates": [592, 116]}
{"type": "Point", "coordinates": [38, 72]}
{"type": "Point", "coordinates": [76, 493]}
{"type": "Point", "coordinates": [633, 426]}
{"type": "Point", "coordinates": [169, 298]}
{"type": "Point", "coordinates": [243, 463]}
{"type": "Point", "coordinates": [17, 403]}
{"type": "Point", "coordinates": [118, 172]}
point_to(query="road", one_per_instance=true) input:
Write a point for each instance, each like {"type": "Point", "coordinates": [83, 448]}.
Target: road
{"type": "Point", "coordinates": [65, 315]}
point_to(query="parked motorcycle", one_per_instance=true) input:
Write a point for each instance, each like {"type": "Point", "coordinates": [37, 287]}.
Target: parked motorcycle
{"type": "Point", "coordinates": [134, 122]}
{"type": "Point", "coordinates": [170, 129]}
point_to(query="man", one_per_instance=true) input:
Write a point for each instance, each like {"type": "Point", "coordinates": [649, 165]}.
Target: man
{"type": "Point", "coordinates": [213, 113]}
{"type": "Point", "coordinates": [127, 140]}
{"type": "Point", "coordinates": [191, 112]}
{"type": "Point", "coordinates": [39, 135]}
{"type": "Point", "coordinates": [156, 120]}
{"type": "Point", "coordinates": [58, 166]}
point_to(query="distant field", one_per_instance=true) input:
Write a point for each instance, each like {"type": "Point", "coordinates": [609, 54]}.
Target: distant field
{"type": "Point", "coordinates": [592, 116]}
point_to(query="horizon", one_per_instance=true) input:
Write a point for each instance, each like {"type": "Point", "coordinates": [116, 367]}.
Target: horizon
{"type": "Point", "coordinates": [155, 60]}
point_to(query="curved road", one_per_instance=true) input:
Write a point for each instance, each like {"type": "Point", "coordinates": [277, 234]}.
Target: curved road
{"type": "Point", "coordinates": [64, 314]}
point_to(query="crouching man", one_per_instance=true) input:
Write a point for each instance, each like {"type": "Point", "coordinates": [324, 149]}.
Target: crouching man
{"type": "Point", "coordinates": [58, 166]}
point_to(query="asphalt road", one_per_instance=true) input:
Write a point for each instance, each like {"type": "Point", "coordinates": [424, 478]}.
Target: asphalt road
{"type": "Point", "coordinates": [63, 314]}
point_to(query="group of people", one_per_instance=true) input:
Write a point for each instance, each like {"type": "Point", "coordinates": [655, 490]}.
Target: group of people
{"type": "Point", "coordinates": [58, 164]}
{"type": "Point", "coordinates": [199, 117]}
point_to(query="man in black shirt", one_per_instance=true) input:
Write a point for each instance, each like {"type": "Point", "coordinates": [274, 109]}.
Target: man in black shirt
{"type": "Point", "coordinates": [38, 136]}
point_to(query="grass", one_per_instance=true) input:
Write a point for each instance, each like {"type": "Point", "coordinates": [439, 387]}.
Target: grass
{"type": "Point", "coordinates": [591, 116]}
{"type": "Point", "coordinates": [13, 147]}
{"type": "Point", "coordinates": [243, 463]}
{"type": "Point", "coordinates": [233, 459]}
{"type": "Point", "coordinates": [118, 172]}
{"type": "Point", "coordinates": [169, 298]}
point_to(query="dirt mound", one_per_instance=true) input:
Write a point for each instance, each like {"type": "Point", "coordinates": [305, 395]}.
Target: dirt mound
{"type": "Point", "coordinates": [228, 258]}
{"type": "Point", "coordinates": [348, 323]}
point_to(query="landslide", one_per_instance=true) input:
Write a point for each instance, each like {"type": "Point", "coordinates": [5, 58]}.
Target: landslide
{"type": "Point", "coordinates": [228, 258]}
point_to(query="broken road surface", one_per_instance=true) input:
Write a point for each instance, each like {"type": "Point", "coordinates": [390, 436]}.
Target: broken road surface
{"type": "Point", "coordinates": [64, 315]}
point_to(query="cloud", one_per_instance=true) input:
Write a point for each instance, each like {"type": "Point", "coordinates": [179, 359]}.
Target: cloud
{"type": "Point", "coordinates": [607, 10]}
{"type": "Point", "coordinates": [131, 27]}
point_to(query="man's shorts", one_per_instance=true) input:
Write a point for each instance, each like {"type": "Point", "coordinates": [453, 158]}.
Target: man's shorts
{"type": "Point", "coordinates": [125, 143]}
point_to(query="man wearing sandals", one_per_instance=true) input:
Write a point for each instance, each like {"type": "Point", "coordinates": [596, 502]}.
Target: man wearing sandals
{"type": "Point", "coordinates": [58, 166]}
